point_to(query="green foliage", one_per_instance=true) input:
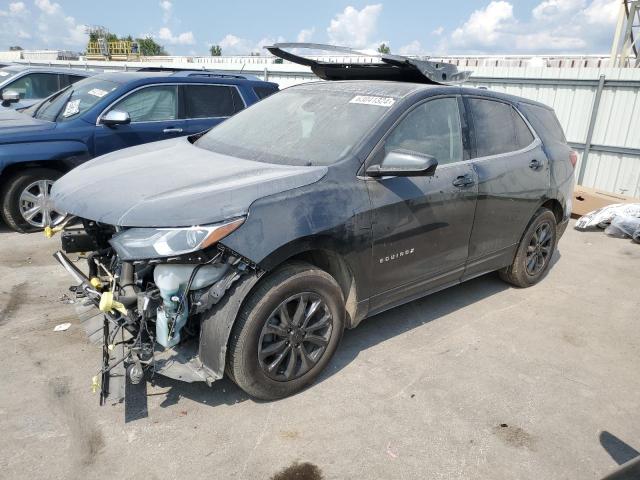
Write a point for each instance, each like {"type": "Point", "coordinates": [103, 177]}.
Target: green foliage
{"type": "Point", "coordinates": [149, 47]}
{"type": "Point", "coordinates": [15, 48]}
{"type": "Point", "coordinates": [384, 48]}
{"type": "Point", "coordinates": [215, 50]}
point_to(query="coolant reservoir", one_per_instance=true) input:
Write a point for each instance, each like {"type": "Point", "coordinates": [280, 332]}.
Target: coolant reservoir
{"type": "Point", "coordinates": [172, 281]}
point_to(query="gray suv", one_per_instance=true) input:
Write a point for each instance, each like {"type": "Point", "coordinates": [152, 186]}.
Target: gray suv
{"type": "Point", "coordinates": [247, 250]}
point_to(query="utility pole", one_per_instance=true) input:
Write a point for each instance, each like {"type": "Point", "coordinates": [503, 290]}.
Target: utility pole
{"type": "Point", "coordinates": [625, 47]}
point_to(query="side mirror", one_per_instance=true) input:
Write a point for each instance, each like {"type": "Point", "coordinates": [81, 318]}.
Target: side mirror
{"type": "Point", "coordinates": [9, 97]}
{"type": "Point", "coordinates": [401, 163]}
{"type": "Point", "coordinates": [115, 117]}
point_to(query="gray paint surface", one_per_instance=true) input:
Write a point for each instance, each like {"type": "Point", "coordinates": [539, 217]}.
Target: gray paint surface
{"type": "Point", "coordinates": [172, 184]}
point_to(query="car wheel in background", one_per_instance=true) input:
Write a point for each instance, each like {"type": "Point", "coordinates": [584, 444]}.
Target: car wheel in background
{"type": "Point", "coordinates": [535, 251]}
{"type": "Point", "coordinates": [286, 332]}
{"type": "Point", "coordinates": [26, 205]}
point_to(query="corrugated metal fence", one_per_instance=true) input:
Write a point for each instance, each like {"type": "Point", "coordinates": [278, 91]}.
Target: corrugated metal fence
{"type": "Point", "coordinates": [599, 108]}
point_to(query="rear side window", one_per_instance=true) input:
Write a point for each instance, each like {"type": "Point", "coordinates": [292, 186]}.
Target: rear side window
{"type": "Point", "coordinates": [151, 104]}
{"type": "Point", "coordinates": [264, 92]}
{"type": "Point", "coordinates": [206, 101]}
{"type": "Point", "coordinates": [524, 137]}
{"type": "Point", "coordinates": [432, 128]}
{"type": "Point", "coordinates": [494, 127]}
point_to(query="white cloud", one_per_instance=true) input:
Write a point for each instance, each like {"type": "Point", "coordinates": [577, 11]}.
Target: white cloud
{"type": "Point", "coordinates": [353, 27]}
{"type": "Point", "coordinates": [46, 27]}
{"type": "Point", "coordinates": [234, 45]}
{"type": "Point", "coordinates": [167, 9]}
{"type": "Point", "coordinates": [602, 12]}
{"type": "Point", "coordinates": [551, 9]}
{"type": "Point", "coordinates": [17, 8]}
{"type": "Point", "coordinates": [437, 31]}
{"type": "Point", "coordinates": [306, 34]}
{"type": "Point", "coordinates": [484, 26]}
{"type": "Point", "coordinates": [555, 25]}
{"type": "Point", "coordinates": [47, 7]}
{"type": "Point", "coordinates": [412, 48]}
{"type": "Point", "coordinates": [184, 38]}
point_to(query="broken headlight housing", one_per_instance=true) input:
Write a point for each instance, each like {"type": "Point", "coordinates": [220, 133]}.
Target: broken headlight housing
{"type": "Point", "coordinates": [149, 243]}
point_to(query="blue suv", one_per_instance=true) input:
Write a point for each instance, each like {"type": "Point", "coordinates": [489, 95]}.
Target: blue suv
{"type": "Point", "coordinates": [100, 114]}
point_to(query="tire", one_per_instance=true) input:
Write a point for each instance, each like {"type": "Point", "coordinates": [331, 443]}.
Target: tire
{"type": "Point", "coordinates": [14, 188]}
{"type": "Point", "coordinates": [533, 252]}
{"type": "Point", "coordinates": [250, 363]}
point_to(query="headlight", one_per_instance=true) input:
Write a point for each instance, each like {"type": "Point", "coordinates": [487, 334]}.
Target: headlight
{"type": "Point", "coordinates": [146, 243]}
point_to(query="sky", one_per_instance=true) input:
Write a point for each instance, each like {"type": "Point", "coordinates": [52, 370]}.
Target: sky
{"type": "Point", "coordinates": [428, 27]}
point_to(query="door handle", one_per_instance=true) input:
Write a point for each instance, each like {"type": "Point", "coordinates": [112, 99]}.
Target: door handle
{"type": "Point", "coordinates": [535, 164]}
{"type": "Point", "coordinates": [172, 130]}
{"type": "Point", "coordinates": [464, 181]}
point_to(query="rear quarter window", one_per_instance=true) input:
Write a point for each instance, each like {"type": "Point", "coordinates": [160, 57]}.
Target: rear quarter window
{"type": "Point", "coordinates": [545, 122]}
{"type": "Point", "coordinates": [264, 92]}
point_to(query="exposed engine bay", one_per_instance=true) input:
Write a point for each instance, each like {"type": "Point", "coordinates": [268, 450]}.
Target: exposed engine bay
{"type": "Point", "coordinates": [153, 307]}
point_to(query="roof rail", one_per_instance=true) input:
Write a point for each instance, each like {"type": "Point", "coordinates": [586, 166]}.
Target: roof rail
{"type": "Point", "coordinates": [390, 67]}
{"type": "Point", "coordinates": [194, 72]}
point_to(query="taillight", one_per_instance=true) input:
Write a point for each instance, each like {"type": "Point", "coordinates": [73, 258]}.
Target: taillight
{"type": "Point", "coordinates": [573, 158]}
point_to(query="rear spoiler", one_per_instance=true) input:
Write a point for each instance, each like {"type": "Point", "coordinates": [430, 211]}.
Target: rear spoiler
{"type": "Point", "coordinates": [390, 67]}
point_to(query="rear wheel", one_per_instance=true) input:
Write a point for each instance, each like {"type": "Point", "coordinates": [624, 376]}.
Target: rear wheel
{"type": "Point", "coordinates": [286, 332]}
{"type": "Point", "coordinates": [26, 205]}
{"type": "Point", "coordinates": [534, 253]}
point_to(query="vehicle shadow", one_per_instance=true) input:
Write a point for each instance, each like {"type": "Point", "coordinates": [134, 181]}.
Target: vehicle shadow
{"type": "Point", "coordinates": [618, 450]}
{"type": "Point", "coordinates": [372, 331]}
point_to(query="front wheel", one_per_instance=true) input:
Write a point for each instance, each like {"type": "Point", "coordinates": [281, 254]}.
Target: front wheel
{"type": "Point", "coordinates": [286, 332]}
{"type": "Point", "coordinates": [533, 257]}
{"type": "Point", "coordinates": [26, 206]}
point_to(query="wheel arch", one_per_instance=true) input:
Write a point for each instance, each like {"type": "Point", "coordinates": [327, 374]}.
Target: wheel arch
{"type": "Point", "coordinates": [556, 207]}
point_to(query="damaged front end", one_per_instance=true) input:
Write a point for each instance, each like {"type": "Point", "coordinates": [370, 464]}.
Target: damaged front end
{"type": "Point", "coordinates": [155, 289]}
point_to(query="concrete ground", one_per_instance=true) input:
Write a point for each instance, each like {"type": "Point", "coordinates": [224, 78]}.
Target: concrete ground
{"type": "Point", "coordinates": [481, 381]}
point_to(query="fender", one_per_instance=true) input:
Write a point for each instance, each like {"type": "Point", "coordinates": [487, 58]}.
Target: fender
{"type": "Point", "coordinates": [70, 153]}
{"type": "Point", "coordinates": [217, 324]}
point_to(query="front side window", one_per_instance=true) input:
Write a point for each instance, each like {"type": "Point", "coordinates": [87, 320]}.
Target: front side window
{"type": "Point", "coordinates": [208, 101]}
{"type": "Point", "coordinates": [151, 104]}
{"type": "Point", "coordinates": [498, 128]}
{"type": "Point", "coordinates": [35, 85]}
{"type": "Point", "coordinates": [432, 128]}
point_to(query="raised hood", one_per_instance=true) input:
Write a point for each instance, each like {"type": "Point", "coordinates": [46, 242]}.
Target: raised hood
{"type": "Point", "coordinates": [172, 184]}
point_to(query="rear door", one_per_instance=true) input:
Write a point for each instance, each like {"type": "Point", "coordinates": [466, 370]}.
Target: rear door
{"type": "Point", "coordinates": [421, 225]}
{"type": "Point", "coordinates": [513, 178]}
{"type": "Point", "coordinates": [205, 105]}
{"type": "Point", "coordinates": [154, 116]}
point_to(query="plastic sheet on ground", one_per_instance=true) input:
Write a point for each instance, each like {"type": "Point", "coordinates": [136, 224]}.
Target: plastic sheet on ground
{"type": "Point", "coordinates": [619, 220]}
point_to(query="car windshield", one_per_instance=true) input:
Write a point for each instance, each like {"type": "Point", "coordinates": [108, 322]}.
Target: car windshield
{"type": "Point", "coordinates": [307, 125]}
{"type": "Point", "coordinates": [74, 100]}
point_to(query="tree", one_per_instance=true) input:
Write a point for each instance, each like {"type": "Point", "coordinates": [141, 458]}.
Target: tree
{"type": "Point", "coordinates": [149, 47]}
{"type": "Point", "coordinates": [384, 48]}
{"type": "Point", "coordinates": [215, 50]}
{"type": "Point", "coordinates": [15, 48]}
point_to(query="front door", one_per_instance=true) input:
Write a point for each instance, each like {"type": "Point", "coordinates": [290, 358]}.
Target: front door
{"type": "Point", "coordinates": [154, 116]}
{"type": "Point", "coordinates": [421, 225]}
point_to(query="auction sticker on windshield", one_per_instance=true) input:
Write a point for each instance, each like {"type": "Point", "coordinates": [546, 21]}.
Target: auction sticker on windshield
{"type": "Point", "coordinates": [371, 100]}
{"type": "Point", "coordinates": [97, 92]}
{"type": "Point", "coordinates": [72, 108]}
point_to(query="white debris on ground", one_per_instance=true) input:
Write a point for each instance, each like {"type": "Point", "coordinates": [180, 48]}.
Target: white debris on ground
{"type": "Point", "coordinates": [62, 327]}
{"type": "Point", "coordinates": [620, 220]}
